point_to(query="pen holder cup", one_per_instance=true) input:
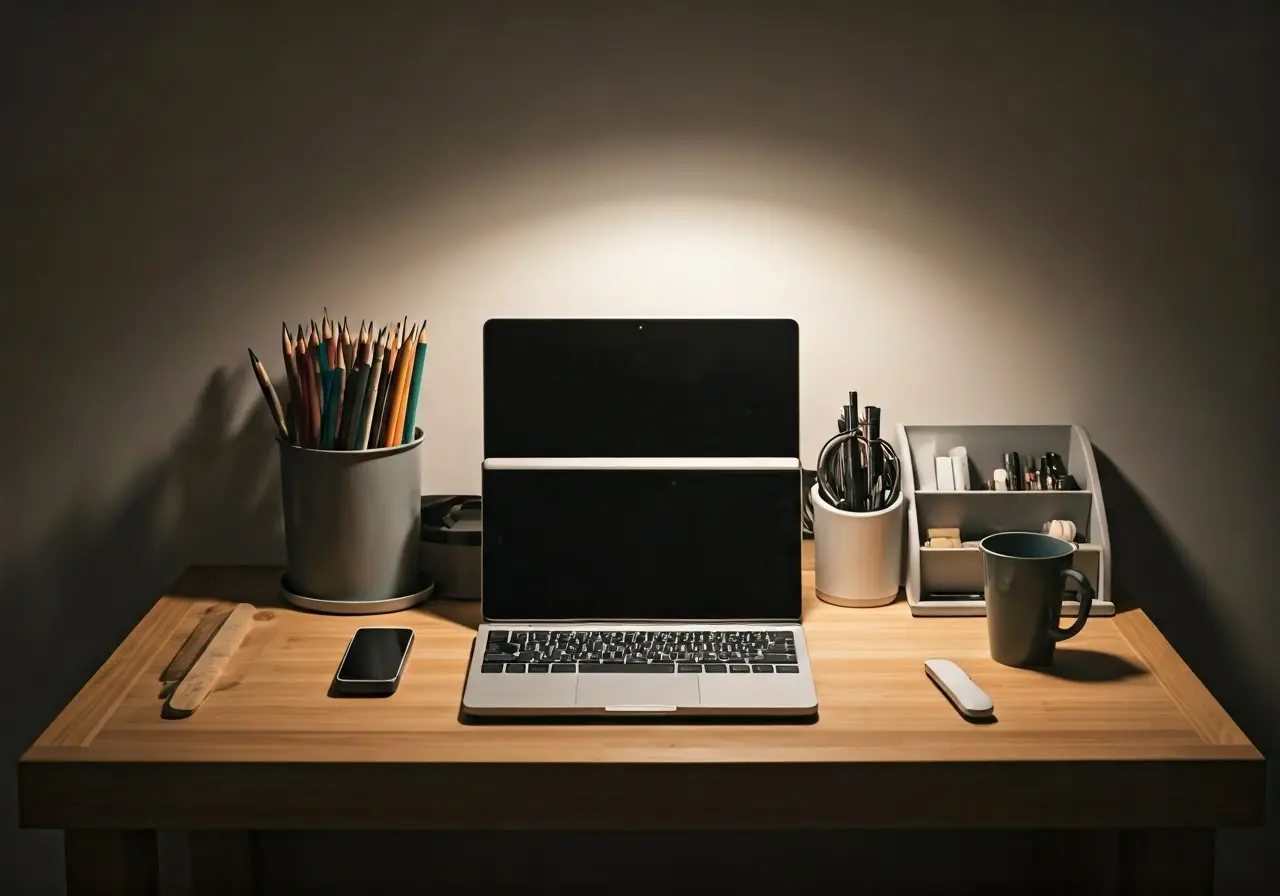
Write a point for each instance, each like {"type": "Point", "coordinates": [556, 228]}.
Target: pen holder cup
{"type": "Point", "coordinates": [352, 521]}
{"type": "Point", "coordinates": [857, 556]}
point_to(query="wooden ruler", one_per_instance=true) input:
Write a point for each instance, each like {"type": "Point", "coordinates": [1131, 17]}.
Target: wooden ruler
{"type": "Point", "coordinates": [191, 648]}
{"type": "Point", "coordinates": [198, 683]}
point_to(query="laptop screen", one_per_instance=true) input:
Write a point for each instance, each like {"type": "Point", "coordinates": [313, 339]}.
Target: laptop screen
{"type": "Point", "coordinates": [621, 540]}
{"type": "Point", "coordinates": [641, 388]}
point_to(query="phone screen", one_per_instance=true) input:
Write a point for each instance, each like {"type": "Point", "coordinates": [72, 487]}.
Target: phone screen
{"type": "Point", "coordinates": [376, 654]}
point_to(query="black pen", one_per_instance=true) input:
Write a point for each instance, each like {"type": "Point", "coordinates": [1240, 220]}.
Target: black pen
{"type": "Point", "coordinates": [875, 462]}
{"type": "Point", "coordinates": [852, 472]}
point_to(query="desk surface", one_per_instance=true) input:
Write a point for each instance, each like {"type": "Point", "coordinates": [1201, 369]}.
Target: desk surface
{"type": "Point", "coordinates": [1120, 733]}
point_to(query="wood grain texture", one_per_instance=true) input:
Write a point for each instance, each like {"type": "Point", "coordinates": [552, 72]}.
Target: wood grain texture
{"type": "Point", "coordinates": [195, 644]}
{"type": "Point", "coordinates": [1115, 735]}
{"type": "Point", "coordinates": [199, 682]}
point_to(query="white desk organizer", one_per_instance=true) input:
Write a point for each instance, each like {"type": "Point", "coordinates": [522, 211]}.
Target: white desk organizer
{"type": "Point", "coordinates": [979, 512]}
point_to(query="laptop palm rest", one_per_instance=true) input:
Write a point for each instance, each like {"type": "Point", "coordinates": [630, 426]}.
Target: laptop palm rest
{"type": "Point", "coordinates": [653, 693]}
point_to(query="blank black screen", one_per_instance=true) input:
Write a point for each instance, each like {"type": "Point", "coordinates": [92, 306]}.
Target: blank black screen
{"type": "Point", "coordinates": [641, 388]}
{"type": "Point", "coordinates": [641, 544]}
{"type": "Point", "coordinates": [375, 654]}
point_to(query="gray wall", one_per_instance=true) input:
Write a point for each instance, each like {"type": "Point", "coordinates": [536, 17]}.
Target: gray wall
{"type": "Point", "coordinates": [977, 214]}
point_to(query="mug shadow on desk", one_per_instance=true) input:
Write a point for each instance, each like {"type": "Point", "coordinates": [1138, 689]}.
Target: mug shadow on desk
{"type": "Point", "coordinates": [1089, 666]}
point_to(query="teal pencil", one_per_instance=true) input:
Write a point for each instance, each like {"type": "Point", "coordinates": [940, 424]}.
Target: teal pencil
{"type": "Point", "coordinates": [415, 386]}
{"type": "Point", "coordinates": [332, 387]}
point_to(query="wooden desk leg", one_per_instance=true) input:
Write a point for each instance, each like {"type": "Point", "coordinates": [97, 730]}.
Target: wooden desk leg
{"type": "Point", "coordinates": [1174, 860]}
{"type": "Point", "coordinates": [221, 863]}
{"type": "Point", "coordinates": [111, 862]}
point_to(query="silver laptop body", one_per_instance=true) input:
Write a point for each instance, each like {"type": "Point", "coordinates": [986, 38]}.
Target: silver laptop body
{"type": "Point", "coordinates": [641, 587]}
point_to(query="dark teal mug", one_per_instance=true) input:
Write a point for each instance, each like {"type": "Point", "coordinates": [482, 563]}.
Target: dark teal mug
{"type": "Point", "coordinates": [1025, 576]}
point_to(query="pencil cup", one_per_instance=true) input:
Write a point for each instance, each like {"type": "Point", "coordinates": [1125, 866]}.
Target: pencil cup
{"type": "Point", "coordinates": [857, 556]}
{"type": "Point", "coordinates": [352, 527]}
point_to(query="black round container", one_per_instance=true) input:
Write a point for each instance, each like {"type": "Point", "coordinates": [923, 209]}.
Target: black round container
{"type": "Point", "coordinates": [450, 549]}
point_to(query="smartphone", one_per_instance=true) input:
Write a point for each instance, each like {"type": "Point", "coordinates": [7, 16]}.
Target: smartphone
{"type": "Point", "coordinates": [373, 662]}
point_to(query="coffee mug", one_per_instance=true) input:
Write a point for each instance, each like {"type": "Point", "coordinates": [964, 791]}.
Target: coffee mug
{"type": "Point", "coordinates": [1024, 573]}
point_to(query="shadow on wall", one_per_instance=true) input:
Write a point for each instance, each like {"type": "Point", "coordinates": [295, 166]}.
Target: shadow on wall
{"type": "Point", "coordinates": [69, 603]}
{"type": "Point", "coordinates": [1149, 564]}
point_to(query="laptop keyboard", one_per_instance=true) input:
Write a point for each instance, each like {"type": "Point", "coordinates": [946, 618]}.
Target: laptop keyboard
{"type": "Point", "coordinates": [643, 652]}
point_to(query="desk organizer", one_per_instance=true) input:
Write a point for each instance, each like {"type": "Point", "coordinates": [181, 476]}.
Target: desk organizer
{"type": "Point", "coordinates": [979, 512]}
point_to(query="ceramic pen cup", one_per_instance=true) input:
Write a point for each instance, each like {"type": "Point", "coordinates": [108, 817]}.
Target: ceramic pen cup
{"type": "Point", "coordinates": [352, 527]}
{"type": "Point", "coordinates": [857, 558]}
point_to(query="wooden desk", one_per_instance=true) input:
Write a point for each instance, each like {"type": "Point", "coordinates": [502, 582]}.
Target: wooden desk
{"type": "Point", "coordinates": [1121, 737]}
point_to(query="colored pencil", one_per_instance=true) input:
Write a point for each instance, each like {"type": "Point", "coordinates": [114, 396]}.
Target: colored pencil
{"type": "Point", "coordinates": [269, 393]}
{"type": "Point", "coordinates": [314, 357]}
{"type": "Point", "coordinates": [339, 397]}
{"type": "Point", "coordinates": [306, 372]}
{"type": "Point", "coordinates": [354, 418]}
{"type": "Point", "coordinates": [344, 421]}
{"type": "Point", "coordinates": [384, 390]}
{"type": "Point", "coordinates": [294, 412]}
{"type": "Point", "coordinates": [369, 411]}
{"type": "Point", "coordinates": [337, 383]}
{"type": "Point", "coordinates": [399, 389]}
{"type": "Point", "coordinates": [318, 339]}
{"type": "Point", "coordinates": [347, 346]}
{"type": "Point", "coordinates": [415, 386]}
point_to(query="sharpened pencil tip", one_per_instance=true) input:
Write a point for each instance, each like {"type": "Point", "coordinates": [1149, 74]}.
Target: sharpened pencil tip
{"type": "Point", "coordinates": [253, 357]}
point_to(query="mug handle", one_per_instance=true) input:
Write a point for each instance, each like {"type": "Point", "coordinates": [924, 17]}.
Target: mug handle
{"type": "Point", "coordinates": [1086, 604]}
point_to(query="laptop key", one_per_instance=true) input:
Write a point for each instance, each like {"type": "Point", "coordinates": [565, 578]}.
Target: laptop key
{"type": "Point", "coordinates": [776, 658]}
{"type": "Point", "coordinates": [513, 667]}
{"type": "Point", "coordinates": [491, 667]}
{"type": "Point", "coordinates": [689, 667]}
{"type": "Point", "coordinates": [498, 636]}
{"type": "Point", "coordinates": [497, 657]}
{"type": "Point", "coordinates": [715, 667]}
{"type": "Point", "coordinates": [739, 668]}
{"type": "Point", "coordinates": [788, 668]}
{"type": "Point", "coordinates": [539, 667]}
{"type": "Point", "coordinates": [564, 667]}
{"type": "Point", "coordinates": [761, 668]}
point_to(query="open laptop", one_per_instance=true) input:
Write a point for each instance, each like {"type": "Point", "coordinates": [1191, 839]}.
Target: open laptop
{"type": "Point", "coordinates": [643, 585]}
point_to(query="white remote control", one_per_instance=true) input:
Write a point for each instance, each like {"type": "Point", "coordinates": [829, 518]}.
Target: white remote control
{"type": "Point", "coordinates": [960, 689]}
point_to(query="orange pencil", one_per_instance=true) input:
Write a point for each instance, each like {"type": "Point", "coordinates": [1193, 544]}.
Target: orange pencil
{"type": "Point", "coordinates": [399, 390]}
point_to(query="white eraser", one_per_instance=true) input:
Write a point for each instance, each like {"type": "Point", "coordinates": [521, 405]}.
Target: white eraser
{"type": "Point", "coordinates": [971, 700]}
{"type": "Point", "coordinates": [960, 469]}
{"type": "Point", "coordinates": [945, 473]}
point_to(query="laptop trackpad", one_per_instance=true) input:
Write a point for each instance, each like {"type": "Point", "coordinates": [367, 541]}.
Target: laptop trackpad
{"type": "Point", "coordinates": [654, 691]}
